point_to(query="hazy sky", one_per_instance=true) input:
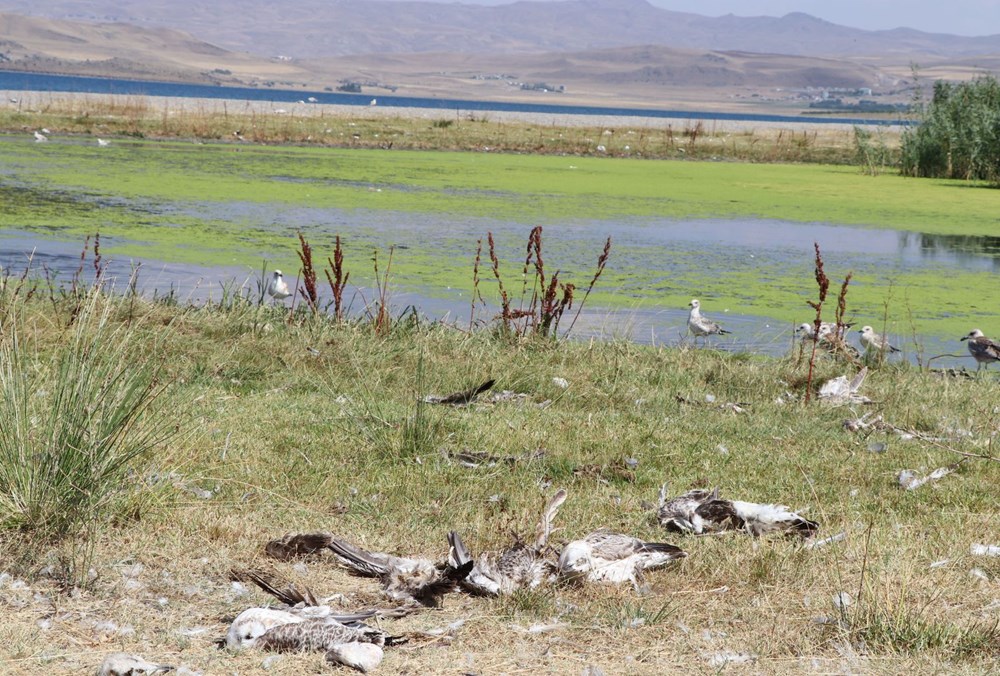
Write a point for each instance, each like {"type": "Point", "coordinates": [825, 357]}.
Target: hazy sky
{"type": "Point", "coordinates": [961, 17]}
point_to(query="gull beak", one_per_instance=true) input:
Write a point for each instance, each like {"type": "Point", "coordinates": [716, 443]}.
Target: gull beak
{"type": "Point", "coordinates": [964, 338]}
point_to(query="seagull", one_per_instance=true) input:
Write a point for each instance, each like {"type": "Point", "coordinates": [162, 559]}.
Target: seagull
{"type": "Point", "coordinates": [40, 137]}
{"type": "Point", "coordinates": [281, 631]}
{"type": "Point", "coordinates": [403, 578]}
{"type": "Point", "coordinates": [123, 664]}
{"type": "Point", "coordinates": [873, 341]}
{"type": "Point", "coordinates": [982, 348]}
{"type": "Point", "coordinates": [613, 557]}
{"type": "Point", "coordinates": [104, 143]}
{"type": "Point", "coordinates": [831, 337]}
{"type": "Point", "coordinates": [373, 102]}
{"type": "Point", "coordinates": [702, 326]}
{"type": "Point", "coordinates": [276, 286]}
{"type": "Point", "coordinates": [701, 511]}
{"type": "Point", "coordinates": [827, 331]}
{"type": "Point", "coordinates": [520, 566]}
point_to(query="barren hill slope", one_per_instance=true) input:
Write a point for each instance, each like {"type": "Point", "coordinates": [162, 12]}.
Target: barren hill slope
{"type": "Point", "coordinates": [314, 28]}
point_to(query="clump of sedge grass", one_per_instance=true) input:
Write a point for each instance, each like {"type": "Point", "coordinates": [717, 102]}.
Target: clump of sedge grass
{"type": "Point", "coordinates": [72, 427]}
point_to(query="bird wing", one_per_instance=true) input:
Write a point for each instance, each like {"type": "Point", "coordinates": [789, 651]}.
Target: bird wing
{"type": "Point", "coordinates": [269, 581]}
{"type": "Point", "coordinates": [544, 528]}
{"type": "Point", "coordinates": [361, 561]}
{"type": "Point", "coordinates": [463, 397]}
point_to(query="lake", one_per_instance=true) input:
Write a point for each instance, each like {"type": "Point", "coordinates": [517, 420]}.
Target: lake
{"type": "Point", "coordinates": [18, 81]}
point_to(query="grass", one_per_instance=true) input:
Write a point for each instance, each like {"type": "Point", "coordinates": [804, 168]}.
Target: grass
{"type": "Point", "coordinates": [274, 441]}
{"type": "Point", "coordinates": [75, 419]}
{"type": "Point", "coordinates": [140, 117]}
{"type": "Point", "coordinates": [227, 204]}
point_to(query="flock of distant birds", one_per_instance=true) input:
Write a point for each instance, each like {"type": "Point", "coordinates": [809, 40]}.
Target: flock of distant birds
{"type": "Point", "coordinates": [833, 337]}
{"type": "Point", "coordinates": [304, 623]}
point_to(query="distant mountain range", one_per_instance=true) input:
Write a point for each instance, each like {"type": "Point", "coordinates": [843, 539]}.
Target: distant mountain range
{"type": "Point", "coordinates": [323, 28]}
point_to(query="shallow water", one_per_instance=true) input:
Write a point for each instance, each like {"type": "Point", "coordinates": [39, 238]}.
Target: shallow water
{"type": "Point", "coordinates": [666, 251]}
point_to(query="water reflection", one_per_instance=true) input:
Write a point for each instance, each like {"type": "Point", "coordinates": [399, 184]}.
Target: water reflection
{"type": "Point", "coordinates": [963, 249]}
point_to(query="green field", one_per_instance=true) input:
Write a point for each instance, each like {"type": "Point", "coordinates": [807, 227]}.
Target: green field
{"type": "Point", "coordinates": [234, 205]}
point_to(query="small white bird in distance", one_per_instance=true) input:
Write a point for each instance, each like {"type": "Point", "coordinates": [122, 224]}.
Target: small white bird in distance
{"type": "Point", "coordinates": [40, 137]}
{"type": "Point", "coordinates": [874, 342]}
{"type": "Point", "coordinates": [276, 286]}
{"type": "Point", "coordinates": [702, 326]}
{"type": "Point", "coordinates": [104, 143]}
{"type": "Point", "coordinates": [374, 102]}
{"type": "Point", "coordinates": [982, 348]}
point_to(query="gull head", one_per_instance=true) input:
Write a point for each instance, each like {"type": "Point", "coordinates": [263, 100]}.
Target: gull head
{"type": "Point", "coordinates": [575, 560]}
{"type": "Point", "coordinates": [804, 329]}
{"type": "Point", "coordinates": [866, 330]}
{"type": "Point", "coordinates": [253, 623]}
{"type": "Point", "coordinates": [694, 303]}
{"type": "Point", "coordinates": [277, 274]}
{"type": "Point", "coordinates": [974, 333]}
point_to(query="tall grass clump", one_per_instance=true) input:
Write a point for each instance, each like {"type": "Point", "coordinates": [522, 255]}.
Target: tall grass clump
{"type": "Point", "coordinates": [959, 136]}
{"type": "Point", "coordinates": [74, 422]}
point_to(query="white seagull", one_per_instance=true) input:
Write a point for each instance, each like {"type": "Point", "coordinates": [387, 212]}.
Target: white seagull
{"type": "Point", "coordinates": [702, 326]}
{"type": "Point", "coordinates": [701, 511]}
{"type": "Point", "coordinates": [984, 350]}
{"type": "Point", "coordinates": [40, 137]}
{"type": "Point", "coordinates": [520, 566]}
{"type": "Point", "coordinates": [276, 286]}
{"type": "Point", "coordinates": [615, 558]}
{"type": "Point", "coordinates": [874, 342]}
{"type": "Point", "coordinates": [831, 337]}
{"type": "Point", "coordinates": [104, 143]}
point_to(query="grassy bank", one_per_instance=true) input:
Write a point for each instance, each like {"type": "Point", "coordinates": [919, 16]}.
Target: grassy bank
{"type": "Point", "coordinates": [316, 125]}
{"type": "Point", "coordinates": [282, 425]}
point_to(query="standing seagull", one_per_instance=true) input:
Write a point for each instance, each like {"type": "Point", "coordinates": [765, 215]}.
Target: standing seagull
{"type": "Point", "coordinates": [613, 557]}
{"type": "Point", "coordinates": [874, 342]}
{"type": "Point", "coordinates": [40, 137]}
{"type": "Point", "coordinates": [702, 326]}
{"type": "Point", "coordinates": [520, 566]}
{"type": "Point", "coordinates": [276, 286]}
{"type": "Point", "coordinates": [982, 348]}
